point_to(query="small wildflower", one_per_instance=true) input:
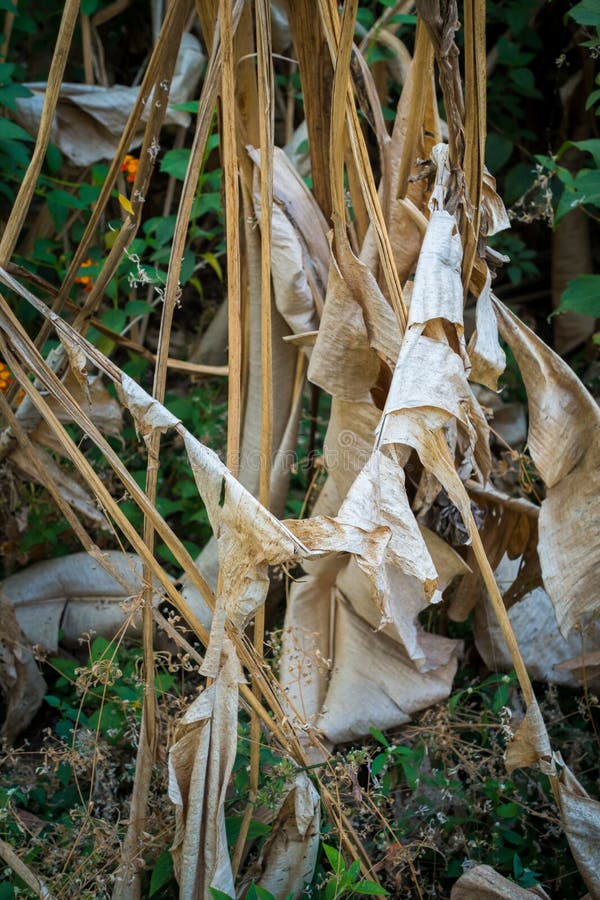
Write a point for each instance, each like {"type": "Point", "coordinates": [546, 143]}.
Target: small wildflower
{"type": "Point", "coordinates": [5, 377]}
{"type": "Point", "coordinates": [130, 166]}
{"type": "Point", "coordinates": [86, 280]}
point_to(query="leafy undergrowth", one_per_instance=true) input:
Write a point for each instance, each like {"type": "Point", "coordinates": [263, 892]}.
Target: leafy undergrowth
{"type": "Point", "coordinates": [427, 801]}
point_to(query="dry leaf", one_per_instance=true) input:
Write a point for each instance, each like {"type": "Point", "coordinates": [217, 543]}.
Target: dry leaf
{"type": "Point", "coordinates": [374, 682]}
{"type": "Point", "coordinates": [530, 744]}
{"type": "Point", "coordinates": [564, 431]}
{"type": "Point", "coordinates": [484, 883]}
{"type": "Point", "coordinates": [543, 647]}
{"type": "Point", "coordinates": [200, 764]}
{"type": "Point", "coordinates": [580, 816]}
{"type": "Point", "coordinates": [289, 855]}
{"type": "Point", "coordinates": [300, 252]}
{"type": "Point", "coordinates": [76, 594]}
{"type": "Point", "coordinates": [67, 484]}
{"type": "Point", "coordinates": [89, 119]}
{"type": "Point", "coordinates": [488, 359]}
{"type": "Point", "coordinates": [21, 681]}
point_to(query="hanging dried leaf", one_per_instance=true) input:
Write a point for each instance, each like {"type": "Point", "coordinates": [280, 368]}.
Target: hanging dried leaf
{"type": "Point", "coordinates": [580, 816]}
{"type": "Point", "coordinates": [289, 855]}
{"type": "Point", "coordinates": [300, 253]}
{"type": "Point", "coordinates": [530, 744]}
{"type": "Point", "coordinates": [200, 764]}
{"type": "Point", "coordinates": [487, 357]}
{"type": "Point", "coordinates": [564, 430]}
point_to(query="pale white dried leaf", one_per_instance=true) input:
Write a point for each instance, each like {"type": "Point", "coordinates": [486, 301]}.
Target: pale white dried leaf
{"type": "Point", "coordinates": [494, 215]}
{"type": "Point", "coordinates": [438, 292]}
{"type": "Point", "coordinates": [299, 247]}
{"type": "Point", "coordinates": [200, 763]}
{"type": "Point", "coordinates": [484, 883]}
{"type": "Point", "coordinates": [289, 854]}
{"type": "Point", "coordinates": [148, 414]}
{"type": "Point", "coordinates": [307, 638]}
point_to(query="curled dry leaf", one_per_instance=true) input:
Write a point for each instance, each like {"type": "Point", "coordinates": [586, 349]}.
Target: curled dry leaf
{"type": "Point", "coordinates": [89, 119]}
{"type": "Point", "coordinates": [73, 595]}
{"type": "Point", "coordinates": [76, 594]}
{"type": "Point", "coordinates": [530, 744]}
{"type": "Point", "coordinates": [289, 855]}
{"type": "Point", "coordinates": [300, 253]}
{"type": "Point", "coordinates": [484, 883]}
{"type": "Point", "coordinates": [200, 764]}
{"type": "Point", "coordinates": [564, 442]}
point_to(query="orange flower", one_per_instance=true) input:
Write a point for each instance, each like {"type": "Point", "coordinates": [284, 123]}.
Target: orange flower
{"type": "Point", "coordinates": [130, 166]}
{"type": "Point", "coordinates": [86, 280]}
{"type": "Point", "coordinates": [5, 377]}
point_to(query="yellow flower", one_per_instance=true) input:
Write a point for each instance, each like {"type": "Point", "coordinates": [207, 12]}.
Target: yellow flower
{"type": "Point", "coordinates": [130, 166]}
{"type": "Point", "coordinates": [5, 377]}
{"type": "Point", "coordinates": [86, 280]}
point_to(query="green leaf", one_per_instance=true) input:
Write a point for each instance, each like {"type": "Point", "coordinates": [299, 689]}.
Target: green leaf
{"type": "Point", "coordinates": [255, 830]}
{"type": "Point", "coordinates": [586, 13]}
{"type": "Point", "coordinates": [216, 894]}
{"type": "Point", "coordinates": [191, 106]}
{"type": "Point", "coordinates": [100, 648]}
{"type": "Point", "coordinates": [175, 162]}
{"type": "Point", "coordinates": [592, 99]}
{"type": "Point", "coordinates": [89, 7]}
{"type": "Point", "coordinates": [379, 736]}
{"type": "Point", "coordinates": [508, 810]}
{"type": "Point", "coordinates": [161, 873]}
{"type": "Point", "coordinates": [591, 146]}
{"type": "Point", "coordinates": [352, 872]}
{"type": "Point", "coordinates": [371, 888]}
{"type": "Point", "coordinates": [8, 6]}
{"type": "Point", "coordinates": [498, 151]}
{"type": "Point", "coordinates": [336, 860]}
{"type": "Point", "coordinates": [524, 81]}
{"type": "Point", "coordinates": [10, 131]}
{"type": "Point", "coordinates": [582, 295]}
{"type": "Point", "coordinates": [259, 893]}
{"type": "Point", "coordinates": [7, 892]}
